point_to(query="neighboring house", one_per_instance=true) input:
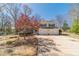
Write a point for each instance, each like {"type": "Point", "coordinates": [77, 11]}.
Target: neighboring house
{"type": "Point", "coordinates": [48, 27]}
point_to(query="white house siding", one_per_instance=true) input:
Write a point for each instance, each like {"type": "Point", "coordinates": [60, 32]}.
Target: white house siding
{"type": "Point", "coordinates": [49, 31]}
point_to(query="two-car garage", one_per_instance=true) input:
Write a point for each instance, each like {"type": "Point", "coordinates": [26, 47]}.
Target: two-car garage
{"type": "Point", "coordinates": [49, 31]}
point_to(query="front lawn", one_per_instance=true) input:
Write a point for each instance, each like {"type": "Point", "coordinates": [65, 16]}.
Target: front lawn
{"type": "Point", "coordinates": [11, 45]}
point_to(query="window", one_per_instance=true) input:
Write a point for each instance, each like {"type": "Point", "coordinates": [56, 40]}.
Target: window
{"type": "Point", "coordinates": [43, 25]}
{"type": "Point", "coordinates": [51, 25]}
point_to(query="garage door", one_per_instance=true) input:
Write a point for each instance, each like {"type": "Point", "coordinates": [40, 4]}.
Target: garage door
{"type": "Point", "coordinates": [48, 31]}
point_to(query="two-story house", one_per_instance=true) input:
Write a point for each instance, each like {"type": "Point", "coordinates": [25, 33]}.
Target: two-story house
{"type": "Point", "coordinates": [48, 27]}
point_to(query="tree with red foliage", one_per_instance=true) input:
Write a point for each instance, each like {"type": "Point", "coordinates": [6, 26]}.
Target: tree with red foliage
{"type": "Point", "coordinates": [24, 22]}
{"type": "Point", "coordinates": [34, 23]}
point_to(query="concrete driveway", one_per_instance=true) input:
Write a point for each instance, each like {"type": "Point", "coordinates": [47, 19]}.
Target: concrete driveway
{"type": "Point", "coordinates": [65, 45]}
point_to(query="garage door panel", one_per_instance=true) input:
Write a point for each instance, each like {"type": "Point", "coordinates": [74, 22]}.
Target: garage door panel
{"type": "Point", "coordinates": [48, 31]}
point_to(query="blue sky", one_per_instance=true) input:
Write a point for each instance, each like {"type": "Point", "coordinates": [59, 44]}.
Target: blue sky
{"type": "Point", "coordinates": [50, 10]}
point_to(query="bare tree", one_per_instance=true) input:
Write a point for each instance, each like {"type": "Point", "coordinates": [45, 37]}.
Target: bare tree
{"type": "Point", "coordinates": [25, 9]}
{"type": "Point", "coordinates": [2, 21]}
{"type": "Point", "coordinates": [38, 17]}
{"type": "Point", "coordinates": [74, 12]}
{"type": "Point", "coordinates": [7, 25]}
{"type": "Point", "coordinates": [13, 12]}
{"type": "Point", "coordinates": [2, 16]}
{"type": "Point", "coordinates": [60, 20]}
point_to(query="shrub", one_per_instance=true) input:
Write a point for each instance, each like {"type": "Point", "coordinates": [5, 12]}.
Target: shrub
{"type": "Point", "coordinates": [75, 27]}
{"type": "Point", "coordinates": [9, 50]}
{"type": "Point", "coordinates": [65, 26]}
{"type": "Point", "coordinates": [9, 42]}
{"type": "Point", "coordinates": [19, 43]}
{"type": "Point", "coordinates": [25, 51]}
